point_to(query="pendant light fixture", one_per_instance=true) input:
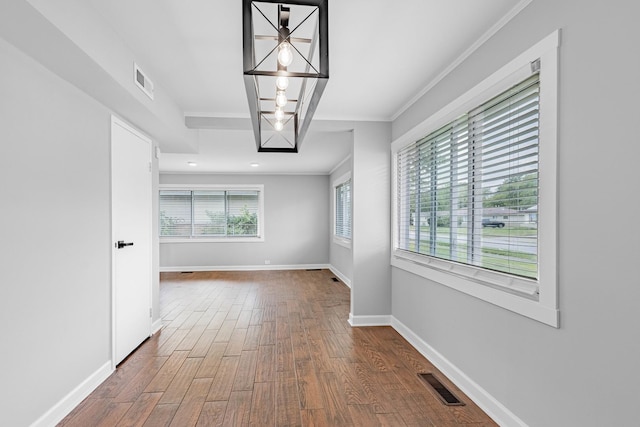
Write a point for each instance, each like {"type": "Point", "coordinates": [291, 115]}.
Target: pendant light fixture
{"type": "Point", "coordinates": [286, 68]}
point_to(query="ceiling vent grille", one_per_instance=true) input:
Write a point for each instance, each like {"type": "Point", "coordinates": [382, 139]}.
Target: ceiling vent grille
{"type": "Point", "coordinates": [142, 81]}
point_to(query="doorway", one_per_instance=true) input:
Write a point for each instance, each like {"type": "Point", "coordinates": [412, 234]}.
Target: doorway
{"type": "Point", "coordinates": [131, 207]}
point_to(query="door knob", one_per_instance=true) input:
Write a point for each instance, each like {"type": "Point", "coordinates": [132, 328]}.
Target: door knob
{"type": "Point", "coordinates": [121, 244]}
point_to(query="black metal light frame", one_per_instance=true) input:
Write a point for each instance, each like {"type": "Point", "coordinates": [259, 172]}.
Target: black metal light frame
{"type": "Point", "coordinates": [251, 73]}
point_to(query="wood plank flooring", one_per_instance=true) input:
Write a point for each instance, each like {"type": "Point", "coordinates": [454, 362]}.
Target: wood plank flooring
{"type": "Point", "coordinates": [269, 348]}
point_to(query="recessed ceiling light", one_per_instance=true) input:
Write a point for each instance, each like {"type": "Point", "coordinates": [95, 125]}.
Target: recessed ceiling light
{"type": "Point", "coordinates": [192, 164]}
{"type": "Point", "coordinates": [254, 165]}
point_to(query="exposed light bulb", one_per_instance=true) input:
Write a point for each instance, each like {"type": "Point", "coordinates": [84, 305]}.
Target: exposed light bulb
{"type": "Point", "coordinates": [278, 126]}
{"type": "Point", "coordinates": [285, 56]}
{"type": "Point", "coordinates": [281, 99]}
{"type": "Point", "coordinates": [282, 82]}
{"type": "Point", "coordinates": [279, 114]}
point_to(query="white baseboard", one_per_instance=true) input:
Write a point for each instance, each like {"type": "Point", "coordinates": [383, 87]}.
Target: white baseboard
{"type": "Point", "coordinates": [242, 267]}
{"type": "Point", "coordinates": [156, 326]}
{"type": "Point", "coordinates": [357, 321]}
{"type": "Point", "coordinates": [61, 409]}
{"type": "Point", "coordinates": [341, 276]}
{"type": "Point", "coordinates": [496, 410]}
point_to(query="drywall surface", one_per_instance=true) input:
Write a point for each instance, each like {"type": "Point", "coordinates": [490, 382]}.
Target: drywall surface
{"type": "Point", "coordinates": [296, 225]}
{"type": "Point", "coordinates": [586, 372]}
{"type": "Point", "coordinates": [371, 286]}
{"type": "Point", "coordinates": [55, 297]}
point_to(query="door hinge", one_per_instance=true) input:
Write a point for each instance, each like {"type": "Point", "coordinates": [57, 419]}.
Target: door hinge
{"type": "Point", "coordinates": [150, 312]}
{"type": "Point", "coordinates": [150, 167]}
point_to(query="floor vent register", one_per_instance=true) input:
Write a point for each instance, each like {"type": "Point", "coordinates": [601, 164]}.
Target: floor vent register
{"type": "Point", "coordinates": [445, 395]}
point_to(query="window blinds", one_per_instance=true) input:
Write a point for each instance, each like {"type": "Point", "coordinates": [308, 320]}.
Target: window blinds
{"type": "Point", "coordinates": [468, 192]}
{"type": "Point", "coordinates": [209, 218]}
{"type": "Point", "coordinates": [175, 213]}
{"type": "Point", "coordinates": [343, 210]}
{"type": "Point", "coordinates": [209, 213]}
{"type": "Point", "coordinates": [242, 213]}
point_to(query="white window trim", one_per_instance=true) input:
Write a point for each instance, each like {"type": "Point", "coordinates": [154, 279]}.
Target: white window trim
{"type": "Point", "coordinates": [340, 240]}
{"type": "Point", "coordinates": [536, 299]}
{"type": "Point", "coordinates": [218, 187]}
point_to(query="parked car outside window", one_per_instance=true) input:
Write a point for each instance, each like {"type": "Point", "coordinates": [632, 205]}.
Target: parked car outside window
{"type": "Point", "coordinates": [492, 223]}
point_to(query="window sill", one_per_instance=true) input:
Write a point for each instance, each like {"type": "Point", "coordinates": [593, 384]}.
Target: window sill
{"type": "Point", "coordinates": [341, 241]}
{"type": "Point", "coordinates": [514, 294]}
{"type": "Point", "coordinates": [212, 240]}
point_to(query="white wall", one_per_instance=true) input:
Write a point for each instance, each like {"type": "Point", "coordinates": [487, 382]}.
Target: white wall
{"type": "Point", "coordinates": [340, 257]}
{"type": "Point", "coordinates": [55, 183]}
{"type": "Point", "coordinates": [89, 53]}
{"type": "Point", "coordinates": [586, 372]}
{"type": "Point", "coordinates": [371, 284]}
{"type": "Point", "coordinates": [296, 225]}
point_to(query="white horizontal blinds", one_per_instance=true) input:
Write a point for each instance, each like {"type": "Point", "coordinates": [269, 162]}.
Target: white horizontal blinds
{"type": "Point", "coordinates": [343, 210]}
{"type": "Point", "coordinates": [505, 134]}
{"type": "Point", "coordinates": [482, 166]}
{"type": "Point", "coordinates": [242, 213]}
{"type": "Point", "coordinates": [446, 191]}
{"type": "Point", "coordinates": [175, 213]}
{"type": "Point", "coordinates": [407, 197]}
{"type": "Point", "coordinates": [209, 213]}
{"type": "Point", "coordinates": [432, 189]}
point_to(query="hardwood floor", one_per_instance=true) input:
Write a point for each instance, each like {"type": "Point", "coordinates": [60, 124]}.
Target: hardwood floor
{"type": "Point", "coordinates": [269, 348]}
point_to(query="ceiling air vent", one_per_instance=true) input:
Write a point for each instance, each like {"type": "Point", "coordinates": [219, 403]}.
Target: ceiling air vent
{"type": "Point", "coordinates": [142, 81]}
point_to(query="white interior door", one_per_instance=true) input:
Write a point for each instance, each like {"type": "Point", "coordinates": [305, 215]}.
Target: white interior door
{"type": "Point", "coordinates": [131, 189]}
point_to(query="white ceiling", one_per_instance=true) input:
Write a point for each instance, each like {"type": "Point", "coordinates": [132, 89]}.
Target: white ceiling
{"type": "Point", "coordinates": [381, 54]}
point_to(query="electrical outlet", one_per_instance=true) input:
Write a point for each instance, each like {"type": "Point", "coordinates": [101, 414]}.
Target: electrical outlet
{"type": "Point", "coordinates": [267, 261]}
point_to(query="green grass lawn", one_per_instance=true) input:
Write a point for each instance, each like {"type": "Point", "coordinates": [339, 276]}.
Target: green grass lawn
{"type": "Point", "coordinates": [513, 262]}
{"type": "Point", "coordinates": [486, 231]}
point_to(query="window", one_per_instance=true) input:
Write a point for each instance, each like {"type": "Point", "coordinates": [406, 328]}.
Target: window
{"type": "Point", "coordinates": [342, 214]}
{"type": "Point", "coordinates": [475, 189]}
{"type": "Point", "coordinates": [454, 184]}
{"type": "Point", "coordinates": [211, 213]}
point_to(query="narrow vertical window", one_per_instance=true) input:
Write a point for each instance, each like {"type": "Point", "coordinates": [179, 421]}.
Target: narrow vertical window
{"type": "Point", "coordinates": [342, 213]}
